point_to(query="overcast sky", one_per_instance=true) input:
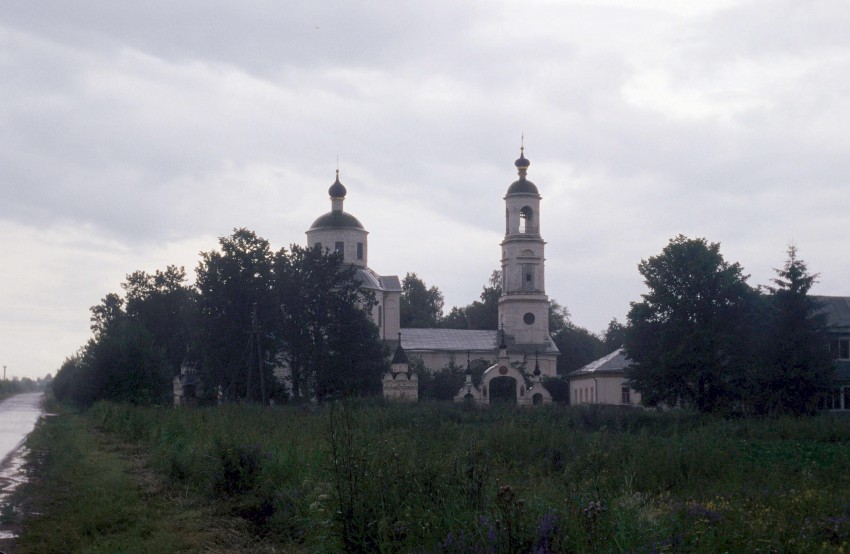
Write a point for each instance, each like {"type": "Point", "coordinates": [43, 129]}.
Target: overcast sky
{"type": "Point", "coordinates": [133, 134]}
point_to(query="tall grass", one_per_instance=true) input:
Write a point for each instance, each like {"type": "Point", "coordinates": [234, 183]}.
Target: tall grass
{"type": "Point", "coordinates": [434, 477]}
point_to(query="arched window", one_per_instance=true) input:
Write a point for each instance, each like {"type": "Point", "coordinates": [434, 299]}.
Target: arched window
{"type": "Point", "coordinates": [525, 220]}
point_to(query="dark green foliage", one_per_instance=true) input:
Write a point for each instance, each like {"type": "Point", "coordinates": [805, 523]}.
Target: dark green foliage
{"type": "Point", "coordinates": [251, 310]}
{"type": "Point", "coordinates": [9, 387]}
{"type": "Point", "coordinates": [559, 388]}
{"type": "Point", "coordinates": [238, 469]}
{"type": "Point", "coordinates": [482, 314]}
{"type": "Point", "coordinates": [421, 307]}
{"type": "Point", "coordinates": [578, 348]}
{"type": "Point", "coordinates": [687, 338]}
{"type": "Point", "coordinates": [702, 337]}
{"type": "Point", "coordinates": [325, 338]}
{"type": "Point", "coordinates": [108, 312]}
{"type": "Point", "coordinates": [797, 367]}
{"type": "Point", "coordinates": [577, 345]}
{"type": "Point", "coordinates": [614, 336]}
{"type": "Point", "coordinates": [165, 306]}
{"type": "Point", "coordinates": [122, 364]}
{"type": "Point", "coordinates": [230, 282]}
{"type": "Point", "coordinates": [312, 316]}
{"type": "Point", "coordinates": [445, 383]}
{"type": "Point", "coordinates": [442, 384]}
{"type": "Point", "coordinates": [138, 343]}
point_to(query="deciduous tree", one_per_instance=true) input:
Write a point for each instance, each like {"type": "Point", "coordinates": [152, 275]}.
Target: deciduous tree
{"type": "Point", "coordinates": [327, 339]}
{"type": "Point", "coordinates": [165, 306]}
{"type": "Point", "coordinates": [230, 281]}
{"type": "Point", "coordinates": [688, 337]}
{"type": "Point", "coordinates": [614, 335]}
{"type": "Point", "coordinates": [421, 307]}
{"type": "Point", "coordinates": [481, 314]}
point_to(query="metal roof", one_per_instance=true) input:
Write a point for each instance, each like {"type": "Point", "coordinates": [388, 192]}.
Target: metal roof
{"type": "Point", "coordinates": [614, 362]}
{"type": "Point", "coordinates": [837, 310]}
{"type": "Point", "coordinates": [391, 283]}
{"type": "Point", "coordinates": [370, 280]}
{"type": "Point", "coordinates": [448, 339]}
{"type": "Point", "coordinates": [336, 220]}
{"type": "Point", "coordinates": [400, 356]}
{"type": "Point", "coordinates": [467, 339]}
{"type": "Point", "coordinates": [522, 186]}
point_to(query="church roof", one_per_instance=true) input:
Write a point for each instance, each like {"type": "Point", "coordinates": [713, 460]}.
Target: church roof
{"type": "Point", "coordinates": [522, 186]}
{"type": "Point", "coordinates": [448, 339]}
{"type": "Point", "coordinates": [532, 349]}
{"type": "Point", "coordinates": [400, 356]}
{"type": "Point", "coordinates": [391, 283]}
{"type": "Point", "coordinates": [615, 362]}
{"type": "Point", "coordinates": [466, 339]}
{"type": "Point", "coordinates": [337, 189]}
{"type": "Point", "coordinates": [371, 280]}
{"type": "Point", "coordinates": [336, 220]}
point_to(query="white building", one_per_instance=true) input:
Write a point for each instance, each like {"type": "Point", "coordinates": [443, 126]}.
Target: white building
{"type": "Point", "coordinates": [603, 382]}
{"type": "Point", "coordinates": [523, 306]}
{"type": "Point", "coordinates": [341, 232]}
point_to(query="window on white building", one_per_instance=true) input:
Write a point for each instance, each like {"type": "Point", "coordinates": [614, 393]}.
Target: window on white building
{"type": "Point", "coordinates": [841, 348]}
{"type": "Point", "coordinates": [359, 250]}
{"type": "Point", "coordinates": [528, 277]}
{"type": "Point", "coordinates": [339, 248]}
{"type": "Point", "coordinates": [626, 396]}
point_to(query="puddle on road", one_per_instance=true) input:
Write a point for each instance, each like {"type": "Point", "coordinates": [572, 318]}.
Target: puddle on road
{"type": "Point", "coordinates": [12, 475]}
{"type": "Point", "coordinates": [19, 416]}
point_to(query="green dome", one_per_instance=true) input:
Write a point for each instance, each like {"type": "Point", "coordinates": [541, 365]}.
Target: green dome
{"type": "Point", "coordinates": [336, 220]}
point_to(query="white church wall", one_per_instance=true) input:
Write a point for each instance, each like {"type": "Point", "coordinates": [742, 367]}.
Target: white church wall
{"type": "Point", "coordinates": [350, 239]}
{"type": "Point", "coordinates": [602, 389]}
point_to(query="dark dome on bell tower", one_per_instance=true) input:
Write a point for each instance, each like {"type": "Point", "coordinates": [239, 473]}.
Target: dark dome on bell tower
{"type": "Point", "coordinates": [522, 185]}
{"type": "Point", "coordinates": [337, 189]}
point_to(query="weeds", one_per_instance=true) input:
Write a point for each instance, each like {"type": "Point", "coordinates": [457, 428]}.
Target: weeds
{"type": "Point", "coordinates": [363, 476]}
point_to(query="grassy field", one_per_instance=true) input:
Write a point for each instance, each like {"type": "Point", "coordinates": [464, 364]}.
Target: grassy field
{"type": "Point", "coordinates": [364, 476]}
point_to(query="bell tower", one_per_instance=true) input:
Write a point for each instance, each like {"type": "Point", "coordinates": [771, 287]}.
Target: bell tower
{"type": "Point", "coordinates": [524, 306]}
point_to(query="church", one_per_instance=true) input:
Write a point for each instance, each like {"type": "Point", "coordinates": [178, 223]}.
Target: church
{"type": "Point", "coordinates": [521, 353]}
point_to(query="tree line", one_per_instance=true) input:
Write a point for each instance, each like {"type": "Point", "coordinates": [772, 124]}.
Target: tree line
{"type": "Point", "coordinates": [17, 385]}
{"type": "Point", "coordinates": [703, 337]}
{"type": "Point", "coordinates": [249, 311]}
{"type": "Point", "coordinates": [700, 337]}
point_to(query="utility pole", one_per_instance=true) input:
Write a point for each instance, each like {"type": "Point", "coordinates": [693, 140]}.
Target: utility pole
{"type": "Point", "coordinates": [4, 373]}
{"type": "Point", "coordinates": [255, 353]}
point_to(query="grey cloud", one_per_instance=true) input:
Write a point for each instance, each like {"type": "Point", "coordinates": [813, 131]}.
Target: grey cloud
{"type": "Point", "coordinates": [254, 34]}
